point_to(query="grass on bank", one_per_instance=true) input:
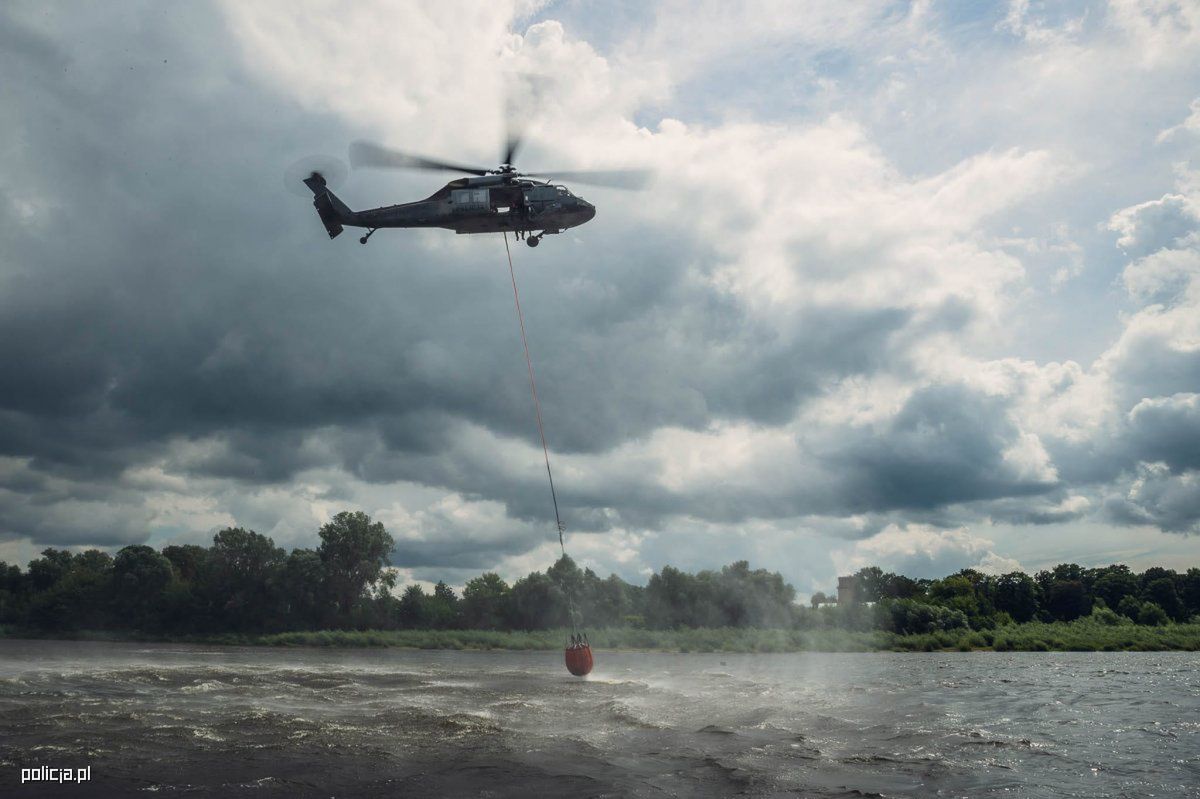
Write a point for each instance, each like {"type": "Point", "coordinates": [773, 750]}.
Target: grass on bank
{"type": "Point", "coordinates": [1081, 635]}
{"type": "Point", "coordinates": [1086, 634]}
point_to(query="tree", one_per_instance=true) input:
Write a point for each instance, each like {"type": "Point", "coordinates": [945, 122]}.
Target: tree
{"type": "Point", "coordinates": [14, 591]}
{"type": "Point", "coordinates": [675, 599]}
{"type": "Point", "coordinates": [1017, 595]}
{"type": "Point", "coordinates": [355, 551]}
{"type": "Point", "coordinates": [609, 600]}
{"type": "Point", "coordinates": [441, 609]}
{"type": "Point", "coordinates": [818, 598]}
{"type": "Point", "coordinates": [1067, 600]}
{"type": "Point", "coordinates": [567, 576]}
{"type": "Point", "coordinates": [140, 577]}
{"type": "Point", "coordinates": [243, 574]}
{"type": "Point", "coordinates": [306, 601]}
{"type": "Point", "coordinates": [958, 593]}
{"type": "Point", "coordinates": [901, 587]}
{"type": "Point", "coordinates": [537, 603]}
{"type": "Point", "coordinates": [1130, 606]}
{"type": "Point", "coordinates": [871, 583]}
{"type": "Point", "coordinates": [1152, 614]}
{"type": "Point", "coordinates": [412, 606]}
{"type": "Point", "coordinates": [907, 617]}
{"type": "Point", "coordinates": [1162, 592]}
{"type": "Point", "coordinates": [1113, 584]}
{"type": "Point", "coordinates": [484, 600]}
{"type": "Point", "coordinates": [187, 560]}
{"type": "Point", "coordinates": [79, 597]}
{"type": "Point", "coordinates": [1156, 573]}
{"type": "Point", "coordinates": [1189, 592]}
{"type": "Point", "coordinates": [51, 567]}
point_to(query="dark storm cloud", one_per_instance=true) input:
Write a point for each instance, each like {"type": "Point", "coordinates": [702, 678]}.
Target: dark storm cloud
{"type": "Point", "coordinates": [1160, 452]}
{"type": "Point", "coordinates": [1156, 497]}
{"type": "Point", "coordinates": [165, 290]}
{"type": "Point", "coordinates": [1167, 430]}
{"type": "Point", "coordinates": [163, 302]}
{"type": "Point", "coordinates": [945, 446]}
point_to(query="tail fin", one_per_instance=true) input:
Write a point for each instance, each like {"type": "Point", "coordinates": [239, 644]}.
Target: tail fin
{"type": "Point", "coordinates": [333, 212]}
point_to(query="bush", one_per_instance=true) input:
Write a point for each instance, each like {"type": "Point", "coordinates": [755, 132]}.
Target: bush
{"type": "Point", "coordinates": [1109, 618]}
{"type": "Point", "coordinates": [908, 617]}
{"type": "Point", "coordinates": [1152, 615]}
{"type": "Point", "coordinates": [1130, 607]}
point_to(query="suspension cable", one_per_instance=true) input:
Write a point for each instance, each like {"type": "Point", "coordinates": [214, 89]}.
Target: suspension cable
{"type": "Point", "coordinates": [537, 405]}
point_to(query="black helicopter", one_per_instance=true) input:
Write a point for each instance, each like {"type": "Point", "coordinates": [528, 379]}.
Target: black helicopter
{"type": "Point", "coordinates": [489, 201]}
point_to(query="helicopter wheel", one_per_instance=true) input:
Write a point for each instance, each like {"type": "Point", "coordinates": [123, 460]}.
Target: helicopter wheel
{"type": "Point", "coordinates": [533, 241]}
{"type": "Point", "coordinates": [370, 233]}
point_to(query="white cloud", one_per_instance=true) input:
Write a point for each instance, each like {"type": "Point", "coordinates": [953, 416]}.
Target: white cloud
{"type": "Point", "coordinates": [1189, 126]}
{"type": "Point", "coordinates": [922, 551]}
{"type": "Point", "coordinates": [803, 333]}
{"type": "Point", "coordinates": [1155, 224]}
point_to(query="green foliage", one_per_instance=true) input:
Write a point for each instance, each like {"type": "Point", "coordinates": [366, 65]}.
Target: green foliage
{"type": "Point", "coordinates": [1161, 592]}
{"type": "Point", "coordinates": [1017, 595]}
{"type": "Point", "coordinates": [441, 608]}
{"type": "Point", "coordinates": [484, 603]}
{"type": "Point", "coordinates": [736, 596]}
{"type": "Point", "coordinates": [1152, 614]}
{"type": "Point", "coordinates": [242, 576]}
{"type": "Point", "coordinates": [1113, 584]}
{"type": "Point", "coordinates": [355, 551]}
{"type": "Point", "coordinates": [245, 589]}
{"type": "Point", "coordinates": [140, 577]}
{"type": "Point", "coordinates": [1108, 617]}
{"type": "Point", "coordinates": [1130, 607]}
{"type": "Point", "coordinates": [907, 617]}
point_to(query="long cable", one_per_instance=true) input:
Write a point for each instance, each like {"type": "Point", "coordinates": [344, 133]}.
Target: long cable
{"type": "Point", "coordinates": [537, 405]}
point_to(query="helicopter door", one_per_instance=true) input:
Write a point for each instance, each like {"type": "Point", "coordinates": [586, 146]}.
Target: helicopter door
{"type": "Point", "coordinates": [469, 200]}
{"type": "Point", "coordinates": [541, 199]}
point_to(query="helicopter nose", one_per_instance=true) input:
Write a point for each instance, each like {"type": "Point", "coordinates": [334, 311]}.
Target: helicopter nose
{"type": "Point", "coordinates": [587, 211]}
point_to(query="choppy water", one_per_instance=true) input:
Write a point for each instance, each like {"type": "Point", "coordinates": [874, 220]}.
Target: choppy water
{"type": "Point", "coordinates": [222, 721]}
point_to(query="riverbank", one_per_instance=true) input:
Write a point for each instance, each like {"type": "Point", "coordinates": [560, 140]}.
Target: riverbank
{"type": "Point", "coordinates": [1082, 635]}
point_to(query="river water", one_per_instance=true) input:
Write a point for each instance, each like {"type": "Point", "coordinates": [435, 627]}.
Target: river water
{"type": "Point", "coordinates": [223, 721]}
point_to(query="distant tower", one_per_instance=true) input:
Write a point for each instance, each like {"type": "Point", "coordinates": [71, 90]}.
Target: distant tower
{"type": "Point", "coordinates": [847, 591]}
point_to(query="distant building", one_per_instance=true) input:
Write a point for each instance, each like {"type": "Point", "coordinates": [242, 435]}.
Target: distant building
{"type": "Point", "coordinates": [847, 591]}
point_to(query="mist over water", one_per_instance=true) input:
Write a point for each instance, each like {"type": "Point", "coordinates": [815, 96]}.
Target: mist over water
{"type": "Point", "coordinates": [218, 721]}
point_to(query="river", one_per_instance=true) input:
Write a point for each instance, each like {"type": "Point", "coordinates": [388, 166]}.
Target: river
{"type": "Point", "coordinates": [227, 721]}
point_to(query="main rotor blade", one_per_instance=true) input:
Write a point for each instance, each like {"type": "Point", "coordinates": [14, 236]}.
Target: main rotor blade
{"type": "Point", "coordinates": [512, 143]}
{"type": "Point", "coordinates": [611, 178]}
{"type": "Point", "coordinates": [373, 156]}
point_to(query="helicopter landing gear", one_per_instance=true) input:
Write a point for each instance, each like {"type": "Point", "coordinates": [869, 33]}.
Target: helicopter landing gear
{"type": "Point", "coordinates": [370, 233]}
{"type": "Point", "coordinates": [534, 241]}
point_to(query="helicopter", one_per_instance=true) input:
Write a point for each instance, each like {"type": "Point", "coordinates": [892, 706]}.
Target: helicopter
{"type": "Point", "coordinates": [485, 201]}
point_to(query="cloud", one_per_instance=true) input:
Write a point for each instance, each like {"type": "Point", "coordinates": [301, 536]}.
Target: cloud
{"type": "Point", "coordinates": [815, 325]}
{"type": "Point", "coordinates": [1165, 277]}
{"type": "Point", "coordinates": [1167, 430]}
{"type": "Point", "coordinates": [1157, 497]}
{"type": "Point", "coordinates": [946, 445]}
{"type": "Point", "coordinates": [918, 551]}
{"type": "Point", "coordinates": [1153, 225]}
{"type": "Point", "coordinates": [1190, 125]}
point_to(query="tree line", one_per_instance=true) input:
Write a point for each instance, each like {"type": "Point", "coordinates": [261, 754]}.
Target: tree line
{"type": "Point", "coordinates": [244, 583]}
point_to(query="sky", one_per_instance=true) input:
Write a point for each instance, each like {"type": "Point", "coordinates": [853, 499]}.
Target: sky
{"type": "Point", "coordinates": [914, 285]}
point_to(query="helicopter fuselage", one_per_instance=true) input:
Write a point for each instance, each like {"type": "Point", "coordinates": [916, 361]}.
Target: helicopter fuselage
{"type": "Point", "coordinates": [484, 204]}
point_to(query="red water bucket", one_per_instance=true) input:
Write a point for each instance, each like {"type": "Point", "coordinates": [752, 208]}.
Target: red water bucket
{"type": "Point", "coordinates": [579, 659]}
